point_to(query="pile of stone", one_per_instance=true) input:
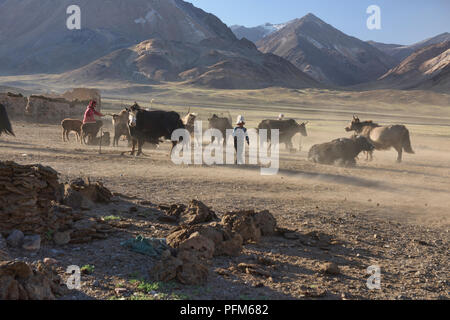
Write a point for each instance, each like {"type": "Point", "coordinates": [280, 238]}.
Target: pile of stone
{"type": "Point", "coordinates": [27, 195]}
{"type": "Point", "coordinates": [30, 209]}
{"type": "Point", "coordinates": [195, 243]}
{"type": "Point", "coordinates": [21, 281]}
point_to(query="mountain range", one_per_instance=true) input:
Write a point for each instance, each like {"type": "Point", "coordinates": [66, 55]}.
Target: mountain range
{"type": "Point", "coordinates": [154, 41]}
{"type": "Point", "coordinates": [148, 41]}
{"type": "Point", "coordinates": [401, 52]}
{"type": "Point", "coordinates": [325, 53]}
{"type": "Point", "coordinates": [334, 58]}
{"type": "Point", "coordinates": [424, 69]}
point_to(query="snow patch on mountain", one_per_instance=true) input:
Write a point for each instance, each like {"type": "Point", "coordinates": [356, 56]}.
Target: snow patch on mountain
{"type": "Point", "coordinates": [150, 17]}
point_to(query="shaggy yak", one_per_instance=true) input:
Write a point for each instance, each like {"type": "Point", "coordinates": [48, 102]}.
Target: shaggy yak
{"type": "Point", "coordinates": [69, 125]}
{"type": "Point", "coordinates": [383, 137]}
{"type": "Point", "coordinates": [151, 126]}
{"type": "Point", "coordinates": [5, 124]}
{"type": "Point", "coordinates": [341, 151]}
{"type": "Point", "coordinates": [222, 124]}
{"type": "Point", "coordinates": [90, 130]}
{"type": "Point", "coordinates": [287, 129]}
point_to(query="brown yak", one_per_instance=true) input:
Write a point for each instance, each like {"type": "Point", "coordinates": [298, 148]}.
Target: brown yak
{"type": "Point", "coordinates": [383, 137]}
{"type": "Point", "coordinates": [120, 124]}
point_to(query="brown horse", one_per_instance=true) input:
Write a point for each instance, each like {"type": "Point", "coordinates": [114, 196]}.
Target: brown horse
{"type": "Point", "coordinates": [383, 137]}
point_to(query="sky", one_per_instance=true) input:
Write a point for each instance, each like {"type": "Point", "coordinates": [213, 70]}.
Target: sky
{"type": "Point", "coordinates": [402, 21]}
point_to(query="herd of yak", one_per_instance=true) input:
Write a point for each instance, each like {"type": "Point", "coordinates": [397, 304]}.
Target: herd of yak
{"type": "Point", "coordinates": [141, 126]}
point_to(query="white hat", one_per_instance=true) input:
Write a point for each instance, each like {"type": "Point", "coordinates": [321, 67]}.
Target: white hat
{"type": "Point", "coordinates": [281, 116]}
{"type": "Point", "coordinates": [240, 119]}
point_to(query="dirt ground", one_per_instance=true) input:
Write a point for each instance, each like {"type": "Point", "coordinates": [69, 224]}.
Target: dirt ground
{"type": "Point", "coordinates": [382, 213]}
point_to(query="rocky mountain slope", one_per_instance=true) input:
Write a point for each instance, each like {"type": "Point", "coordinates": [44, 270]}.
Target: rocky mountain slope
{"type": "Point", "coordinates": [212, 63]}
{"type": "Point", "coordinates": [147, 41]}
{"type": "Point", "coordinates": [34, 37]}
{"type": "Point", "coordinates": [401, 52]}
{"type": "Point", "coordinates": [428, 68]}
{"type": "Point", "coordinates": [325, 53]}
{"type": "Point", "coordinates": [256, 33]}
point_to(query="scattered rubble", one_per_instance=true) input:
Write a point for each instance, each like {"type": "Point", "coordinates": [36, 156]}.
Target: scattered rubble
{"type": "Point", "coordinates": [29, 204]}
{"type": "Point", "coordinates": [250, 225]}
{"type": "Point", "coordinates": [93, 191]}
{"type": "Point", "coordinates": [330, 268]}
{"type": "Point", "coordinates": [198, 242]}
{"type": "Point", "coordinates": [197, 212]}
{"type": "Point", "coordinates": [15, 239]}
{"type": "Point", "coordinates": [32, 243]}
{"type": "Point", "coordinates": [4, 254]}
{"type": "Point", "coordinates": [225, 242]}
{"type": "Point", "coordinates": [190, 265]}
{"type": "Point", "coordinates": [27, 194]}
{"type": "Point", "coordinates": [21, 281]}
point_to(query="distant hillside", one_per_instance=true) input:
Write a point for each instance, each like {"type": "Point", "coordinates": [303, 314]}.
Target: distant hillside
{"type": "Point", "coordinates": [211, 63]}
{"type": "Point", "coordinates": [325, 53]}
{"type": "Point", "coordinates": [428, 68]}
{"type": "Point", "coordinates": [34, 37]}
{"type": "Point", "coordinates": [140, 40]}
{"type": "Point", "coordinates": [401, 52]}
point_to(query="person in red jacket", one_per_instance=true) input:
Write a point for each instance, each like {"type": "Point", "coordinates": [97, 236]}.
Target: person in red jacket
{"type": "Point", "coordinates": [89, 115]}
{"type": "Point", "coordinates": [91, 126]}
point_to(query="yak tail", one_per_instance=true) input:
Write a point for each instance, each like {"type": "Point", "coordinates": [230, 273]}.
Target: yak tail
{"type": "Point", "coordinates": [407, 143]}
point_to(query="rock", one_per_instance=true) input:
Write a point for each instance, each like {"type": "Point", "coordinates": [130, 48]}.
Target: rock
{"type": "Point", "coordinates": [120, 291]}
{"type": "Point", "coordinates": [253, 269]}
{"type": "Point", "coordinates": [291, 235]}
{"type": "Point", "coordinates": [75, 199]}
{"type": "Point", "coordinates": [266, 222]}
{"type": "Point", "coordinates": [166, 270]}
{"type": "Point", "coordinates": [19, 281]}
{"type": "Point", "coordinates": [94, 191]}
{"type": "Point", "coordinates": [197, 212]}
{"type": "Point", "coordinates": [193, 273]}
{"type": "Point", "coordinates": [201, 246]}
{"type": "Point", "coordinates": [330, 268]}
{"type": "Point", "coordinates": [17, 269]}
{"type": "Point", "coordinates": [88, 229]}
{"type": "Point", "coordinates": [133, 209]}
{"type": "Point", "coordinates": [242, 223]}
{"type": "Point", "coordinates": [32, 243]}
{"type": "Point", "coordinates": [15, 239]}
{"type": "Point", "coordinates": [225, 242]}
{"type": "Point", "coordinates": [50, 262]}
{"type": "Point", "coordinates": [62, 238]}
{"type": "Point", "coordinates": [4, 254]}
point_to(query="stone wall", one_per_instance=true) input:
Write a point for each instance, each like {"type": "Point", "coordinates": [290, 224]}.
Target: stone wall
{"type": "Point", "coordinates": [48, 110]}
{"type": "Point", "coordinates": [83, 94]}
{"type": "Point", "coordinates": [15, 105]}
